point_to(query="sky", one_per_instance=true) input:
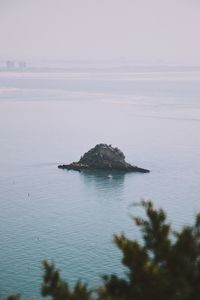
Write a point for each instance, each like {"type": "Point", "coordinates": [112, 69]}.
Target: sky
{"type": "Point", "coordinates": [143, 31]}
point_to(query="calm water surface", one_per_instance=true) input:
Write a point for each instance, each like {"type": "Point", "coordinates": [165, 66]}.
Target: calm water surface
{"type": "Point", "coordinates": [69, 217]}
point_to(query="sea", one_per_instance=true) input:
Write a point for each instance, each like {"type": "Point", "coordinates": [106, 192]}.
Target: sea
{"type": "Point", "coordinates": [53, 116]}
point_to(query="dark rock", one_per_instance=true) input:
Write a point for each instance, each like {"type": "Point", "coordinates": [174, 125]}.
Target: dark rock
{"type": "Point", "coordinates": [103, 157]}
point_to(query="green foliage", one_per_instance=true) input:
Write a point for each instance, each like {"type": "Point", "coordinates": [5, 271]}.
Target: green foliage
{"type": "Point", "coordinates": [58, 289]}
{"type": "Point", "coordinates": [14, 297]}
{"type": "Point", "coordinates": [164, 266]}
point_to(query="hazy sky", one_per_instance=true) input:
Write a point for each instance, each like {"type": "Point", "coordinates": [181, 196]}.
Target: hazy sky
{"type": "Point", "coordinates": [165, 31]}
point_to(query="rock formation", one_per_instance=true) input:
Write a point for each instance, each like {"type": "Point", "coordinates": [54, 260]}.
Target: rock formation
{"type": "Point", "coordinates": [103, 157]}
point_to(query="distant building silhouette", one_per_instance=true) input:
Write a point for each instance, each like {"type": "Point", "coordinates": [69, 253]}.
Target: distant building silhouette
{"type": "Point", "coordinates": [17, 66]}
{"type": "Point", "coordinates": [22, 65]}
{"type": "Point", "coordinates": [10, 65]}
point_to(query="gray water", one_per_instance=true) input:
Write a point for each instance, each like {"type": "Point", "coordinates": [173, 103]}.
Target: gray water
{"type": "Point", "coordinates": [70, 217]}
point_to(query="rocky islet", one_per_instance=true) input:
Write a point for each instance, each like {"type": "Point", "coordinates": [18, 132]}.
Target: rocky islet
{"type": "Point", "coordinates": [103, 157]}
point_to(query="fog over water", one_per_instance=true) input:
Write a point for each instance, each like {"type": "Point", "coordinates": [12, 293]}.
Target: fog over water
{"type": "Point", "coordinates": [75, 73]}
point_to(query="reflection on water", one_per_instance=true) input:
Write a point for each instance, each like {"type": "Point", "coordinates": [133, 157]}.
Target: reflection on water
{"type": "Point", "coordinates": [105, 183]}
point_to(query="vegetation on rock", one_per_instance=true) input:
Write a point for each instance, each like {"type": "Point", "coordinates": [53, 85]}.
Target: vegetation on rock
{"type": "Point", "coordinates": [103, 157]}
